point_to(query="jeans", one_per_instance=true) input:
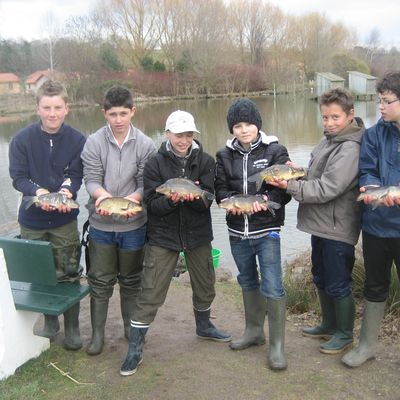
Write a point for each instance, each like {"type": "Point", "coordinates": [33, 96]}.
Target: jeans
{"type": "Point", "coordinates": [267, 250]}
{"type": "Point", "coordinates": [332, 265]}
{"type": "Point", "coordinates": [130, 240]}
{"type": "Point", "coordinates": [379, 254]}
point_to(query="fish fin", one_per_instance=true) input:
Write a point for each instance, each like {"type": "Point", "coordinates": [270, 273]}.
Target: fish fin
{"type": "Point", "coordinates": [28, 201]}
{"type": "Point", "coordinates": [375, 204]}
{"type": "Point", "coordinates": [209, 195]}
{"type": "Point", "coordinates": [257, 179]}
{"type": "Point", "coordinates": [273, 205]}
{"type": "Point", "coordinates": [271, 210]}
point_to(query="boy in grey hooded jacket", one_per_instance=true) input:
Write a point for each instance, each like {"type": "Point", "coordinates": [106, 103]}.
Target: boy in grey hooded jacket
{"type": "Point", "coordinates": [329, 212]}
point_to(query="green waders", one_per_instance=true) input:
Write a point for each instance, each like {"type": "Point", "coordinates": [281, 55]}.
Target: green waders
{"type": "Point", "coordinates": [276, 309]}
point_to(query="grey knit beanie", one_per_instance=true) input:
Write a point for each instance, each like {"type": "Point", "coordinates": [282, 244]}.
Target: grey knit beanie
{"type": "Point", "coordinates": [243, 110]}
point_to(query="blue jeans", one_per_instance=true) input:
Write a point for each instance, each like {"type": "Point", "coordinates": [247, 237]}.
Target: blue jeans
{"type": "Point", "coordinates": [332, 264]}
{"type": "Point", "coordinates": [130, 240]}
{"type": "Point", "coordinates": [267, 250]}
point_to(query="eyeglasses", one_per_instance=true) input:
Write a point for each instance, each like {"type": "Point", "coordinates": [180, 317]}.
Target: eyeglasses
{"type": "Point", "coordinates": [385, 102]}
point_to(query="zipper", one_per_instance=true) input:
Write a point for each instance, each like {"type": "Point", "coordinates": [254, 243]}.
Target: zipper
{"type": "Point", "coordinates": [245, 189]}
{"type": "Point", "coordinates": [51, 145]}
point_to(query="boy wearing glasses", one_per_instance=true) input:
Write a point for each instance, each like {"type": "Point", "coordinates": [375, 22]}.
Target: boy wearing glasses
{"type": "Point", "coordinates": [379, 166]}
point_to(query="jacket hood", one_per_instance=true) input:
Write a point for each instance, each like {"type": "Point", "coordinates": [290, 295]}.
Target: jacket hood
{"type": "Point", "coordinates": [266, 139]}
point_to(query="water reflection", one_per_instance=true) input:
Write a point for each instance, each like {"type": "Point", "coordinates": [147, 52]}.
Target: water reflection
{"type": "Point", "coordinates": [296, 122]}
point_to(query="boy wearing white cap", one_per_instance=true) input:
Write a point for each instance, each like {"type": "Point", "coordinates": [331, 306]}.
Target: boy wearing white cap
{"type": "Point", "coordinates": [176, 222]}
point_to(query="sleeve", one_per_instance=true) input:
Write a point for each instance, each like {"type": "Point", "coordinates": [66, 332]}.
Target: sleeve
{"type": "Point", "coordinates": [339, 175]}
{"type": "Point", "coordinates": [369, 160]}
{"type": "Point", "coordinates": [19, 168]}
{"type": "Point", "coordinates": [222, 186]}
{"type": "Point", "coordinates": [93, 169]}
{"type": "Point", "coordinates": [74, 173]}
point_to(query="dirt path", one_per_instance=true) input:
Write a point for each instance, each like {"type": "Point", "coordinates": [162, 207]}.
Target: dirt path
{"type": "Point", "coordinates": [178, 365]}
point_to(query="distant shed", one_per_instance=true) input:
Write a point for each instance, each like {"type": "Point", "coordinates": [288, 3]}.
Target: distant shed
{"type": "Point", "coordinates": [326, 81]}
{"type": "Point", "coordinates": [362, 84]}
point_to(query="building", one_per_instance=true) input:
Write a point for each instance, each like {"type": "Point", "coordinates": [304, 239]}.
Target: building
{"type": "Point", "coordinates": [35, 80]}
{"type": "Point", "coordinates": [326, 81]}
{"type": "Point", "coordinates": [9, 83]}
{"type": "Point", "coordinates": [362, 84]}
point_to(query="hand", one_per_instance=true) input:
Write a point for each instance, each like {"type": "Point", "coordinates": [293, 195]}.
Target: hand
{"type": "Point", "coordinates": [99, 200]}
{"type": "Point", "coordinates": [292, 164]}
{"type": "Point", "coordinates": [279, 183]}
{"type": "Point", "coordinates": [368, 199]}
{"type": "Point", "coordinates": [257, 207]}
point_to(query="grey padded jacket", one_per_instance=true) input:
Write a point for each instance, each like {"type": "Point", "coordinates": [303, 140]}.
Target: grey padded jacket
{"type": "Point", "coordinates": [327, 195]}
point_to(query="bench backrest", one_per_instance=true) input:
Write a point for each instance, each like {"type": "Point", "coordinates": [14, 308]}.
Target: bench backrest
{"type": "Point", "coordinates": [29, 261]}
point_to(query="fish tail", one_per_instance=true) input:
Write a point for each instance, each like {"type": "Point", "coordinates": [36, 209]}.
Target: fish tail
{"type": "Point", "coordinates": [28, 201]}
{"type": "Point", "coordinates": [257, 179]}
{"type": "Point", "coordinates": [273, 205]}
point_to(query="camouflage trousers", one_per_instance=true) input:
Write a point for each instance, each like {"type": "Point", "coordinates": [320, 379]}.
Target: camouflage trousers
{"type": "Point", "coordinates": [66, 248]}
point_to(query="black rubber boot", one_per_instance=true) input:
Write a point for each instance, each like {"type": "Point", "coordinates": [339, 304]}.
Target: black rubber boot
{"type": "Point", "coordinates": [327, 327]}
{"type": "Point", "coordinates": [51, 327]}
{"type": "Point", "coordinates": [372, 319]}
{"type": "Point", "coordinates": [255, 309]}
{"type": "Point", "coordinates": [98, 315]}
{"type": "Point", "coordinates": [276, 320]}
{"type": "Point", "coordinates": [342, 339]}
{"type": "Point", "coordinates": [206, 330]}
{"type": "Point", "coordinates": [72, 339]}
{"type": "Point", "coordinates": [135, 350]}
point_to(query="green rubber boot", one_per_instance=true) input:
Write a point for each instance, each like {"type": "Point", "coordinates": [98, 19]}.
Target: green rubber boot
{"type": "Point", "coordinates": [98, 315]}
{"type": "Point", "coordinates": [342, 339]}
{"type": "Point", "coordinates": [373, 314]}
{"type": "Point", "coordinates": [276, 310]}
{"type": "Point", "coordinates": [50, 328]}
{"type": "Point", "coordinates": [327, 327]}
{"type": "Point", "coordinates": [72, 339]}
{"type": "Point", "coordinates": [255, 309]}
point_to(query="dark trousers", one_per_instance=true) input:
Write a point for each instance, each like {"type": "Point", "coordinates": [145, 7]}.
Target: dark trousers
{"type": "Point", "coordinates": [332, 265]}
{"type": "Point", "coordinates": [379, 255]}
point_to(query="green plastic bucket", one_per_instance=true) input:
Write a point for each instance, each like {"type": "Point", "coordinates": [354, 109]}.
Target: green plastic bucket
{"type": "Point", "coordinates": [215, 253]}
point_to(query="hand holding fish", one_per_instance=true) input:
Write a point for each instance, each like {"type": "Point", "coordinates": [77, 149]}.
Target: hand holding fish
{"type": "Point", "coordinates": [279, 183]}
{"type": "Point", "coordinates": [380, 196]}
{"type": "Point", "coordinates": [101, 211]}
{"type": "Point", "coordinates": [49, 207]}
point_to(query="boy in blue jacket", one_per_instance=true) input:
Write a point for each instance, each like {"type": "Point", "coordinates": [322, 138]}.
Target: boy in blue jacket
{"type": "Point", "coordinates": [379, 166]}
{"type": "Point", "coordinates": [45, 158]}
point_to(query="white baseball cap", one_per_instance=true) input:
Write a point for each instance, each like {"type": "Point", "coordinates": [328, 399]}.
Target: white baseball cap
{"type": "Point", "coordinates": [180, 121]}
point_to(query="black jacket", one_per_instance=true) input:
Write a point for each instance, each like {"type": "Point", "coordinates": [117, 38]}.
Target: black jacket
{"type": "Point", "coordinates": [234, 167]}
{"type": "Point", "coordinates": [185, 225]}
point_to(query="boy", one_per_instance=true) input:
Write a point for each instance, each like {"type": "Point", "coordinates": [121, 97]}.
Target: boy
{"type": "Point", "coordinates": [176, 222]}
{"type": "Point", "coordinates": [257, 235]}
{"type": "Point", "coordinates": [113, 161]}
{"type": "Point", "coordinates": [379, 166]}
{"type": "Point", "coordinates": [45, 157]}
{"type": "Point", "coordinates": [329, 212]}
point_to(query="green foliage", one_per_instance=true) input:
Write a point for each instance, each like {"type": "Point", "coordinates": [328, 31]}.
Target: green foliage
{"type": "Point", "coordinates": [109, 58]}
{"type": "Point", "coordinates": [343, 62]}
{"type": "Point", "coordinates": [159, 67]}
{"type": "Point", "coordinates": [184, 64]}
{"type": "Point", "coordinates": [147, 63]}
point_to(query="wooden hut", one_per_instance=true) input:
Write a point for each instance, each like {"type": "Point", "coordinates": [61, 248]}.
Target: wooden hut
{"type": "Point", "coordinates": [326, 81]}
{"type": "Point", "coordinates": [362, 84]}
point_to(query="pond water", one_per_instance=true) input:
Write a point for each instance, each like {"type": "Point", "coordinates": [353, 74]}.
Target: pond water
{"type": "Point", "coordinates": [295, 120]}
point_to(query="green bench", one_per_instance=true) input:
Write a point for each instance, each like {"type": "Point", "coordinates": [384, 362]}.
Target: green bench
{"type": "Point", "coordinates": [33, 281]}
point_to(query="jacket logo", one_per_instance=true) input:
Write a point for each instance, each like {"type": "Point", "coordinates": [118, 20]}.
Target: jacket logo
{"type": "Point", "coordinates": [261, 164]}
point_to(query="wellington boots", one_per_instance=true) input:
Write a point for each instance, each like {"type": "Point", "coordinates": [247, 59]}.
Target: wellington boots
{"type": "Point", "coordinates": [72, 339]}
{"type": "Point", "coordinates": [135, 350]}
{"type": "Point", "coordinates": [276, 310]}
{"type": "Point", "coordinates": [206, 330]}
{"type": "Point", "coordinates": [342, 339]}
{"type": "Point", "coordinates": [51, 327]}
{"type": "Point", "coordinates": [255, 309]}
{"type": "Point", "coordinates": [327, 327]}
{"type": "Point", "coordinates": [67, 263]}
{"type": "Point", "coordinates": [130, 267]}
{"type": "Point", "coordinates": [98, 315]}
{"type": "Point", "coordinates": [373, 314]}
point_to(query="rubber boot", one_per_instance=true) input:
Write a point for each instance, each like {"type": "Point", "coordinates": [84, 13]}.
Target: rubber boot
{"type": "Point", "coordinates": [373, 315]}
{"type": "Point", "coordinates": [276, 310]}
{"type": "Point", "coordinates": [255, 309]}
{"type": "Point", "coordinates": [50, 328]}
{"type": "Point", "coordinates": [72, 339]}
{"type": "Point", "coordinates": [342, 339]}
{"type": "Point", "coordinates": [135, 350]}
{"type": "Point", "coordinates": [327, 327]}
{"type": "Point", "coordinates": [98, 315]}
{"type": "Point", "coordinates": [67, 264]}
{"type": "Point", "coordinates": [130, 267]}
{"type": "Point", "coordinates": [206, 330]}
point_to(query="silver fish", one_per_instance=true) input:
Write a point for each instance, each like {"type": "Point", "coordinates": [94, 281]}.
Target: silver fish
{"type": "Point", "coordinates": [244, 203]}
{"type": "Point", "coordinates": [53, 199]}
{"type": "Point", "coordinates": [379, 194]}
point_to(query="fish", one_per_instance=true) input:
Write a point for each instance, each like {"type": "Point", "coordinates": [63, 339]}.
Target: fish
{"type": "Point", "coordinates": [379, 194]}
{"type": "Point", "coordinates": [184, 186]}
{"type": "Point", "coordinates": [118, 206]}
{"type": "Point", "coordinates": [244, 202]}
{"type": "Point", "coordinates": [284, 172]}
{"type": "Point", "coordinates": [55, 200]}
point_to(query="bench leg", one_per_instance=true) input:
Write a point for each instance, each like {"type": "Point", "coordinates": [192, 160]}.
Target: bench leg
{"type": "Point", "coordinates": [72, 339]}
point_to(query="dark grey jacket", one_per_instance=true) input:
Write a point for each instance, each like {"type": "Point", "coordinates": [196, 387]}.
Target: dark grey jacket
{"type": "Point", "coordinates": [327, 196]}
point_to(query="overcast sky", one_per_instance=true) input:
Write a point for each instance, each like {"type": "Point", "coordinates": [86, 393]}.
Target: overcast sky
{"type": "Point", "coordinates": [25, 18]}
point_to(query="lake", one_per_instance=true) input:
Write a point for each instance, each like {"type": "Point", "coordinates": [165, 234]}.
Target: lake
{"type": "Point", "coordinates": [295, 120]}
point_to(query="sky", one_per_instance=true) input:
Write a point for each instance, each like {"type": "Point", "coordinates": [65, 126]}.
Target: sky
{"type": "Point", "coordinates": [25, 18]}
